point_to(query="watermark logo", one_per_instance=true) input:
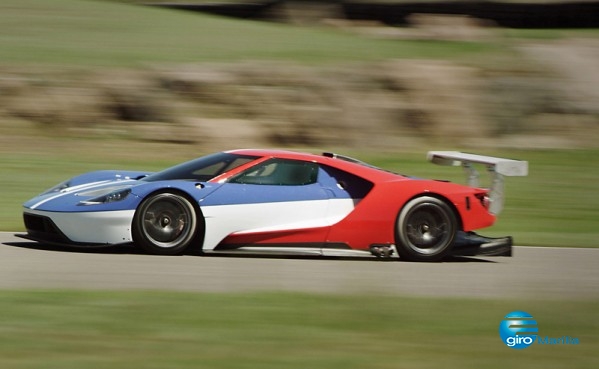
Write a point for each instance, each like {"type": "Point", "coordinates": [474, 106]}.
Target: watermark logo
{"type": "Point", "coordinates": [518, 330]}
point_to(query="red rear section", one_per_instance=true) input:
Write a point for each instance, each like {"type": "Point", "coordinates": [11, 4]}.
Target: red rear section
{"type": "Point", "coordinates": [373, 220]}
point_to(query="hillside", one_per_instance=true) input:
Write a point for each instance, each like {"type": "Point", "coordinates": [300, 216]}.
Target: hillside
{"type": "Point", "coordinates": [83, 68]}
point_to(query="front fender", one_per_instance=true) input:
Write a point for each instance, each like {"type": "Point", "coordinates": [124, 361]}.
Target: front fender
{"type": "Point", "coordinates": [196, 190]}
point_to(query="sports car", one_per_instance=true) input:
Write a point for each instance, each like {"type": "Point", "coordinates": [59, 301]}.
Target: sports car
{"type": "Point", "coordinates": [275, 201]}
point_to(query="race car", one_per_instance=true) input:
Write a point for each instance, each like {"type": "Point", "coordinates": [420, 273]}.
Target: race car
{"type": "Point", "coordinates": [277, 201]}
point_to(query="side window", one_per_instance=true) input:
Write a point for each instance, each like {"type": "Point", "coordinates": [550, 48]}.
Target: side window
{"type": "Point", "coordinates": [344, 182]}
{"type": "Point", "coordinates": [279, 172]}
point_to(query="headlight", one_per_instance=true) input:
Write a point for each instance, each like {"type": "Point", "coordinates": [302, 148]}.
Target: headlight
{"type": "Point", "coordinates": [113, 196]}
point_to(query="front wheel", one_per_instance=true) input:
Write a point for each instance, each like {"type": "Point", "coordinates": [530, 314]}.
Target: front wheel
{"type": "Point", "coordinates": [165, 224]}
{"type": "Point", "coordinates": [425, 229]}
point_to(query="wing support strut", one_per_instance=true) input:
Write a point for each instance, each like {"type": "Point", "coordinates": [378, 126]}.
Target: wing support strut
{"type": "Point", "coordinates": [497, 168]}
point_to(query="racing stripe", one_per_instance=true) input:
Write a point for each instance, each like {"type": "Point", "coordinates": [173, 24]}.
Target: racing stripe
{"type": "Point", "coordinates": [70, 190]}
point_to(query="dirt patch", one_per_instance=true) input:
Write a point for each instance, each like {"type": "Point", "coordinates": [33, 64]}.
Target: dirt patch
{"type": "Point", "coordinates": [385, 106]}
{"type": "Point", "coordinates": [574, 63]}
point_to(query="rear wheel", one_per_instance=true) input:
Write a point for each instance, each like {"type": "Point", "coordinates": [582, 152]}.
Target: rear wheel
{"type": "Point", "coordinates": [165, 224]}
{"type": "Point", "coordinates": [425, 229]}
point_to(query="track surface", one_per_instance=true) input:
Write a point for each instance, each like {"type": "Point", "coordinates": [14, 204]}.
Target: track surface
{"type": "Point", "coordinates": [532, 273]}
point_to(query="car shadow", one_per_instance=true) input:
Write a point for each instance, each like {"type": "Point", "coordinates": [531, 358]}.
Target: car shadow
{"type": "Point", "coordinates": [116, 249]}
{"type": "Point", "coordinates": [449, 259]}
{"type": "Point", "coordinates": [130, 249]}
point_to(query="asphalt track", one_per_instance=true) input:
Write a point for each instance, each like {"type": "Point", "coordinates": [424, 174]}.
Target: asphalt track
{"type": "Point", "coordinates": [533, 272]}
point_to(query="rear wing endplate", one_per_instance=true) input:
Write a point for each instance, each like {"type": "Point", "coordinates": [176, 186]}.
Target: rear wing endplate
{"type": "Point", "coordinates": [497, 168]}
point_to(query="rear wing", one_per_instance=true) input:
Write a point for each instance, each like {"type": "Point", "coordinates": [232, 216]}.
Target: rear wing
{"type": "Point", "coordinates": [497, 168]}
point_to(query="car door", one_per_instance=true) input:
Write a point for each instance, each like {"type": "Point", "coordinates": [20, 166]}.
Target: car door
{"type": "Point", "coordinates": [278, 202]}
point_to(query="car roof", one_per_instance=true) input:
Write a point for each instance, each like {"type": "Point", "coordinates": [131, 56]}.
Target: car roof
{"type": "Point", "coordinates": [338, 161]}
{"type": "Point", "coordinates": [275, 153]}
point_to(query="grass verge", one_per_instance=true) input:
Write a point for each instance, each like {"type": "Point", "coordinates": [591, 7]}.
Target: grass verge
{"type": "Point", "coordinates": [96, 330]}
{"type": "Point", "coordinates": [88, 33]}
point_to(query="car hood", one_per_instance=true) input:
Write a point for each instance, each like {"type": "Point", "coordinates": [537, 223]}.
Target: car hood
{"type": "Point", "coordinates": [62, 197]}
{"type": "Point", "coordinates": [108, 191]}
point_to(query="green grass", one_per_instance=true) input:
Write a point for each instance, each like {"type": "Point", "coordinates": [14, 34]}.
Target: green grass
{"type": "Point", "coordinates": [107, 34]}
{"type": "Point", "coordinates": [97, 330]}
{"type": "Point", "coordinates": [556, 205]}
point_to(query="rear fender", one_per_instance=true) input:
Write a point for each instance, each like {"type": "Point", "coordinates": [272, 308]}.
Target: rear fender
{"type": "Point", "coordinates": [469, 211]}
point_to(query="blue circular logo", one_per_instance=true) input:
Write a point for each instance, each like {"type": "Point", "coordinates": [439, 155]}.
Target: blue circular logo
{"type": "Point", "coordinates": [518, 330]}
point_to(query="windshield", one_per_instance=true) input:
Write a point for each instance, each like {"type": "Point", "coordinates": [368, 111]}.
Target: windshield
{"type": "Point", "coordinates": [202, 169]}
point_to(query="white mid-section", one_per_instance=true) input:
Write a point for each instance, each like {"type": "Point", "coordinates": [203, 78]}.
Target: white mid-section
{"type": "Point", "coordinates": [114, 227]}
{"type": "Point", "coordinates": [225, 220]}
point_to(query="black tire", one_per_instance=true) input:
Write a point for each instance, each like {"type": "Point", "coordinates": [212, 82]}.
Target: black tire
{"type": "Point", "coordinates": [425, 229]}
{"type": "Point", "coordinates": [165, 223]}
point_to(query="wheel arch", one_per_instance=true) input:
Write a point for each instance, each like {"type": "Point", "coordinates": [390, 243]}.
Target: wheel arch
{"type": "Point", "coordinates": [420, 243]}
{"type": "Point", "coordinates": [201, 226]}
{"type": "Point", "coordinates": [438, 196]}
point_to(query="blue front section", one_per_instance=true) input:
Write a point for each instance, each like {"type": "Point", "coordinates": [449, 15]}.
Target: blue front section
{"type": "Point", "coordinates": [76, 197]}
{"type": "Point", "coordinates": [73, 201]}
{"type": "Point", "coordinates": [67, 190]}
{"type": "Point", "coordinates": [75, 194]}
{"type": "Point", "coordinates": [107, 175]}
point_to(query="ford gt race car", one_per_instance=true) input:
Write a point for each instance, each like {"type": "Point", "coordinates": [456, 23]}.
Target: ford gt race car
{"type": "Point", "coordinates": [273, 201]}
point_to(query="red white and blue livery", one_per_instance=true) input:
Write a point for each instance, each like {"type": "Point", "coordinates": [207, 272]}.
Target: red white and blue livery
{"type": "Point", "coordinates": [274, 201]}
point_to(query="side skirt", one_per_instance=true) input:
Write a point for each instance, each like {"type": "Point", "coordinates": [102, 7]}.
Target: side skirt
{"type": "Point", "coordinates": [299, 249]}
{"type": "Point", "coordinates": [68, 243]}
